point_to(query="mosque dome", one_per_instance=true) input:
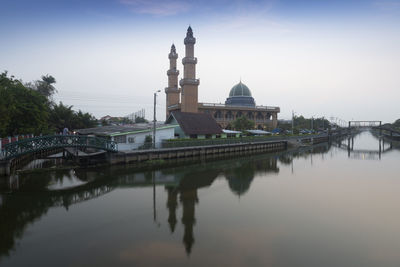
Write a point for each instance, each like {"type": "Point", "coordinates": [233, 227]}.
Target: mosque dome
{"type": "Point", "coordinates": [240, 95]}
{"type": "Point", "coordinates": [240, 89]}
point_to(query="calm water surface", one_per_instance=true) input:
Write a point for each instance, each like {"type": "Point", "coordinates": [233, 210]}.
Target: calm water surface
{"type": "Point", "coordinates": [322, 206]}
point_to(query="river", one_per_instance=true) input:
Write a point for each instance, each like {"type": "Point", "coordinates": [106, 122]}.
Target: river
{"type": "Point", "coordinates": [328, 205]}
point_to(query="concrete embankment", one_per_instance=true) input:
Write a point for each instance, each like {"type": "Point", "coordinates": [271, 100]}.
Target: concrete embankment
{"type": "Point", "coordinates": [182, 152]}
{"type": "Point", "coordinates": [195, 151]}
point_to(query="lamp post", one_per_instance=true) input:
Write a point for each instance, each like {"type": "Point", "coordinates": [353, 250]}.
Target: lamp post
{"type": "Point", "coordinates": [293, 113]}
{"type": "Point", "coordinates": [312, 124]}
{"type": "Point", "coordinates": [154, 119]}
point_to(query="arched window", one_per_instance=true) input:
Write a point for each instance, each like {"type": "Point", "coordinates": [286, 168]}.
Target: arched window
{"type": "Point", "coordinates": [218, 114]}
{"type": "Point", "coordinates": [229, 116]}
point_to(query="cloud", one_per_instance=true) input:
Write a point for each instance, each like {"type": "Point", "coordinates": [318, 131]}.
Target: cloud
{"type": "Point", "coordinates": [157, 7]}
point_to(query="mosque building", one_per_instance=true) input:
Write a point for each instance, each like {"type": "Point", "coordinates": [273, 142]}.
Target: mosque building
{"type": "Point", "coordinates": [185, 98]}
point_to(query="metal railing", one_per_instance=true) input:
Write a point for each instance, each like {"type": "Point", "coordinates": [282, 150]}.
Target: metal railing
{"type": "Point", "coordinates": [233, 106]}
{"type": "Point", "coordinates": [32, 145]}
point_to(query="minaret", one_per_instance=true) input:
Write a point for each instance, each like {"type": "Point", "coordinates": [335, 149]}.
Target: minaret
{"type": "Point", "coordinates": [172, 91]}
{"type": "Point", "coordinates": [189, 83]}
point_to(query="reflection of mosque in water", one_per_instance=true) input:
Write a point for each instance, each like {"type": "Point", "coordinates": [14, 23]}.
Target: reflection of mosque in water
{"type": "Point", "coordinates": [20, 206]}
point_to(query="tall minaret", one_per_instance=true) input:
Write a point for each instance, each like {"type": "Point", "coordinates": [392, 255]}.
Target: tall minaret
{"type": "Point", "coordinates": [189, 83]}
{"type": "Point", "coordinates": [172, 91]}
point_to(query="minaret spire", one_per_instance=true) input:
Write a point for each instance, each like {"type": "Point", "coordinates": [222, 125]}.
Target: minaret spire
{"type": "Point", "coordinates": [172, 91]}
{"type": "Point", "coordinates": [189, 83]}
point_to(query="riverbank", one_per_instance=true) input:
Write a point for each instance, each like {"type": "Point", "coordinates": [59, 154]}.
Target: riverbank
{"type": "Point", "coordinates": [157, 157]}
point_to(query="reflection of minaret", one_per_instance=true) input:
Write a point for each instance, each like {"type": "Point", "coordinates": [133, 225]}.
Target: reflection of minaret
{"type": "Point", "coordinates": [189, 84]}
{"type": "Point", "coordinates": [172, 203]}
{"type": "Point", "coordinates": [188, 199]}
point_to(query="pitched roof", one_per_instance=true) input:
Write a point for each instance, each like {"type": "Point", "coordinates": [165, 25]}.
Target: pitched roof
{"type": "Point", "coordinates": [196, 123]}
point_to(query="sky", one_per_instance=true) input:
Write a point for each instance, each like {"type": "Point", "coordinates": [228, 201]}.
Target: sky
{"type": "Point", "coordinates": [317, 58]}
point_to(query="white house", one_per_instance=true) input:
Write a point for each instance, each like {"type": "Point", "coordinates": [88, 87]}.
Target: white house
{"type": "Point", "coordinates": [129, 137]}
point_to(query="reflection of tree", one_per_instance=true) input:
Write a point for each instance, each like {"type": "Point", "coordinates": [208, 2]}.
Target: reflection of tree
{"type": "Point", "coordinates": [22, 207]}
{"type": "Point", "coordinates": [286, 158]}
{"type": "Point", "coordinates": [15, 216]}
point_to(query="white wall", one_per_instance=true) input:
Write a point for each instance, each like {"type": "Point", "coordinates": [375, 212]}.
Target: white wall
{"type": "Point", "coordinates": [161, 134]}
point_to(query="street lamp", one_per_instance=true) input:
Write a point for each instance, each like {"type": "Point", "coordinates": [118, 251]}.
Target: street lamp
{"type": "Point", "coordinates": [154, 119]}
{"type": "Point", "coordinates": [312, 124]}
{"type": "Point", "coordinates": [292, 122]}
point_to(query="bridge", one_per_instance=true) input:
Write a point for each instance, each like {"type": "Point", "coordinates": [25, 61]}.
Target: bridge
{"type": "Point", "coordinates": [363, 124]}
{"type": "Point", "coordinates": [363, 153]}
{"type": "Point", "coordinates": [43, 143]}
{"type": "Point", "coordinates": [384, 130]}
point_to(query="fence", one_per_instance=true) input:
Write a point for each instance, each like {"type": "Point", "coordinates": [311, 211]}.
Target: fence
{"type": "Point", "coordinates": [6, 140]}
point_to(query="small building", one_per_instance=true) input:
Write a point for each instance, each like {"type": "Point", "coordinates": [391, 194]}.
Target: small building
{"type": "Point", "coordinates": [132, 136]}
{"type": "Point", "coordinates": [258, 132]}
{"type": "Point", "coordinates": [231, 133]}
{"type": "Point", "coordinates": [194, 125]}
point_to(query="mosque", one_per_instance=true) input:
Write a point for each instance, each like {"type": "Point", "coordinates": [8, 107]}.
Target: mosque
{"type": "Point", "coordinates": [185, 99]}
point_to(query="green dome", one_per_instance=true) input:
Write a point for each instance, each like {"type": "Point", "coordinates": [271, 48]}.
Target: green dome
{"type": "Point", "coordinates": [240, 89]}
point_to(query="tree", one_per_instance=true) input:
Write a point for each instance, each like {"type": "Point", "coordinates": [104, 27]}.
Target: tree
{"type": "Point", "coordinates": [23, 110]}
{"type": "Point", "coordinates": [397, 123]}
{"type": "Point", "coordinates": [27, 108]}
{"type": "Point", "coordinates": [140, 119]}
{"type": "Point", "coordinates": [45, 86]}
{"type": "Point", "coordinates": [242, 123]}
{"type": "Point", "coordinates": [104, 122]}
{"type": "Point", "coordinates": [62, 116]}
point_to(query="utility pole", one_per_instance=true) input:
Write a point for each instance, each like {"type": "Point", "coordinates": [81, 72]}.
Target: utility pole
{"type": "Point", "coordinates": [154, 119]}
{"type": "Point", "coordinates": [292, 122]}
{"type": "Point", "coordinates": [312, 123]}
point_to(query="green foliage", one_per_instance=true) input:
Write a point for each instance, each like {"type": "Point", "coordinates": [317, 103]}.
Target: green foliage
{"type": "Point", "coordinates": [140, 120]}
{"type": "Point", "coordinates": [104, 122]}
{"type": "Point", "coordinates": [303, 123]}
{"type": "Point", "coordinates": [148, 142]}
{"type": "Point", "coordinates": [45, 86]}
{"type": "Point", "coordinates": [242, 123]}
{"type": "Point", "coordinates": [22, 110]}
{"type": "Point", "coordinates": [26, 109]}
{"type": "Point", "coordinates": [62, 116]}
{"type": "Point", "coordinates": [396, 124]}
{"type": "Point", "coordinates": [148, 139]}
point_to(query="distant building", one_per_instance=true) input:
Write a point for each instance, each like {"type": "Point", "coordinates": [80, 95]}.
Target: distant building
{"type": "Point", "coordinates": [185, 99]}
{"type": "Point", "coordinates": [132, 136]}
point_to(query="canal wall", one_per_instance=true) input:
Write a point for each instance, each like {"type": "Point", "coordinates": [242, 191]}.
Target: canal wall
{"type": "Point", "coordinates": [123, 157]}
